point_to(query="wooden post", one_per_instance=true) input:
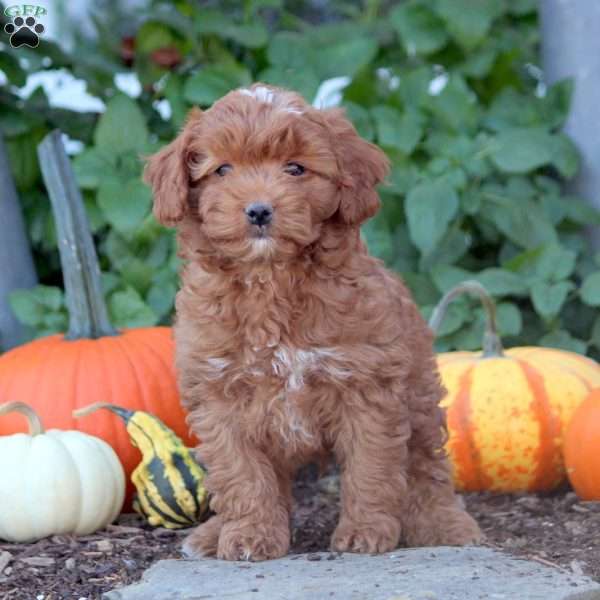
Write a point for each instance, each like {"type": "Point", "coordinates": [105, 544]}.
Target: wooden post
{"type": "Point", "coordinates": [570, 49]}
{"type": "Point", "coordinates": [16, 263]}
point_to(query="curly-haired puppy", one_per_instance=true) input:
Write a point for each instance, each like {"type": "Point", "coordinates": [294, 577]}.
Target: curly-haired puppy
{"type": "Point", "coordinates": [292, 342]}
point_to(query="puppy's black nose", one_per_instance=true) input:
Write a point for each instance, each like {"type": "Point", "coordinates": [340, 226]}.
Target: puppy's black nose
{"type": "Point", "coordinates": [259, 213]}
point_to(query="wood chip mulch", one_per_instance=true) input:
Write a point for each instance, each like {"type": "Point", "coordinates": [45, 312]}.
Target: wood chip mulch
{"type": "Point", "coordinates": [554, 529]}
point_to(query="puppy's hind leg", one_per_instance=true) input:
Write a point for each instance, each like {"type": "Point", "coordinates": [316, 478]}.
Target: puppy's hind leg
{"type": "Point", "coordinates": [433, 514]}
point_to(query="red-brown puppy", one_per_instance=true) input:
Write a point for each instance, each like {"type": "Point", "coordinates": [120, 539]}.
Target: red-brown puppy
{"type": "Point", "coordinates": [292, 341]}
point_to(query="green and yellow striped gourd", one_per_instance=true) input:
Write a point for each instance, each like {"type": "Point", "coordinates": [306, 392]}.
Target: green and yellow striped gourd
{"type": "Point", "coordinates": [169, 481]}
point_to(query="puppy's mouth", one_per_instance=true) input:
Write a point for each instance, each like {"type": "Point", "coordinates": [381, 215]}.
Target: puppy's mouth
{"type": "Point", "coordinates": [259, 232]}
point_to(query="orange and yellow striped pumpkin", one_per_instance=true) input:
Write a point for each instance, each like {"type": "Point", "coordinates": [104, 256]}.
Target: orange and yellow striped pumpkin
{"type": "Point", "coordinates": [582, 448]}
{"type": "Point", "coordinates": [507, 409]}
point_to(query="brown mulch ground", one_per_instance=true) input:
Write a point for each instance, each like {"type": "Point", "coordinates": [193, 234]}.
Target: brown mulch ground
{"type": "Point", "coordinates": [554, 529]}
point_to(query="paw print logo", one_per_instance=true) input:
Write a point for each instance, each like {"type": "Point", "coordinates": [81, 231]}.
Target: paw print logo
{"type": "Point", "coordinates": [24, 32]}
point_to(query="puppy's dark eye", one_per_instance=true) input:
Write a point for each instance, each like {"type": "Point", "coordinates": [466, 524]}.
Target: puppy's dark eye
{"type": "Point", "coordinates": [223, 170]}
{"type": "Point", "coordinates": [294, 169]}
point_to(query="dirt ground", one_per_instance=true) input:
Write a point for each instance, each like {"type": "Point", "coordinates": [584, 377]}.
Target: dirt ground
{"type": "Point", "coordinates": [555, 529]}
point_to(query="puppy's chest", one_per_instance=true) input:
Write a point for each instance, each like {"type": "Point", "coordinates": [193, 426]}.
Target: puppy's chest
{"type": "Point", "coordinates": [283, 367]}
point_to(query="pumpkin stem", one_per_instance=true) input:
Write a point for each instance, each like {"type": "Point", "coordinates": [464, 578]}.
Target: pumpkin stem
{"type": "Point", "coordinates": [492, 345]}
{"type": "Point", "coordinates": [124, 413]}
{"type": "Point", "coordinates": [35, 423]}
{"type": "Point", "coordinates": [88, 317]}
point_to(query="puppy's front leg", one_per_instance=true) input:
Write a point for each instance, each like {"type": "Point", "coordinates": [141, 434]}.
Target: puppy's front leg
{"type": "Point", "coordinates": [372, 452]}
{"type": "Point", "coordinates": [249, 496]}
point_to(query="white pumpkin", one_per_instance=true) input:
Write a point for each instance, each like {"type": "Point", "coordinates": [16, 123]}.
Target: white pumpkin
{"type": "Point", "coordinates": [56, 482]}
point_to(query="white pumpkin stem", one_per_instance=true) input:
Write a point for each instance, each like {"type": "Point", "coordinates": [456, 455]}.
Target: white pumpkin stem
{"type": "Point", "coordinates": [492, 345]}
{"type": "Point", "coordinates": [33, 420]}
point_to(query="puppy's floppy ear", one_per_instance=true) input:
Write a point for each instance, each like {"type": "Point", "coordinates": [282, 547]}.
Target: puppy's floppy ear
{"type": "Point", "coordinates": [167, 172]}
{"type": "Point", "coordinates": [362, 166]}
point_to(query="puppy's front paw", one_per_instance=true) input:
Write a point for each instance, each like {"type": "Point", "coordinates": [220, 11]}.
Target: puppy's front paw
{"type": "Point", "coordinates": [351, 537]}
{"type": "Point", "coordinates": [204, 540]}
{"type": "Point", "coordinates": [239, 541]}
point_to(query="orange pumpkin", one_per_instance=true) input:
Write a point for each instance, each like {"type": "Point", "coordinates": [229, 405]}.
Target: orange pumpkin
{"type": "Point", "coordinates": [507, 410]}
{"type": "Point", "coordinates": [582, 448]}
{"type": "Point", "coordinates": [92, 362]}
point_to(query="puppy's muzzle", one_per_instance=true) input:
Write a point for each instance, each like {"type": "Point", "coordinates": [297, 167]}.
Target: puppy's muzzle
{"type": "Point", "coordinates": [259, 213]}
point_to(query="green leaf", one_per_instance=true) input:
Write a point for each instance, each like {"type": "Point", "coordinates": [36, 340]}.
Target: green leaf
{"type": "Point", "coordinates": [548, 298]}
{"type": "Point", "coordinates": [468, 22]}
{"type": "Point", "coordinates": [162, 293]}
{"type": "Point", "coordinates": [420, 30]}
{"type": "Point", "coordinates": [127, 309]}
{"type": "Point", "coordinates": [550, 263]}
{"type": "Point", "coordinates": [397, 130]}
{"type": "Point", "coordinates": [445, 277]}
{"type": "Point", "coordinates": [360, 118]}
{"type": "Point", "coordinates": [288, 49]}
{"type": "Point", "coordinates": [22, 154]}
{"type": "Point", "coordinates": [212, 82]}
{"type": "Point", "coordinates": [564, 340]}
{"type": "Point", "coordinates": [556, 103]}
{"type": "Point", "coordinates": [595, 337]}
{"type": "Point", "coordinates": [450, 249]}
{"type": "Point", "coordinates": [430, 206]}
{"type": "Point", "coordinates": [522, 222]}
{"type": "Point", "coordinates": [479, 63]}
{"type": "Point", "coordinates": [414, 86]}
{"type": "Point", "coordinates": [500, 282]}
{"type": "Point", "coordinates": [456, 105]}
{"type": "Point", "coordinates": [344, 58]}
{"type": "Point", "coordinates": [565, 156]}
{"type": "Point", "coordinates": [122, 127]}
{"type": "Point", "coordinates": [124, 205]}
{"type": "Point", "coordinates": [509, 319]}
{"type": "Point", "coordinates": [153, 35]}
{"type": "Point", "coordinates": [469, 337]}
{"type": "Point", "coordinates": [455, 317]}
{"type": "Point", "coordinates": [522, 7]}
{"type": "Point", "coordinates": [581, 211]}
{"type": "Point", "coordinates": [512, 110]}
{"type": "Point", "coordinates": [378, 239]}
{"type": "Point", "coordinates": [92, 166]}
{"type": "Point", "coordinates": [14, 72]}
{"type": "Point", "coordinates": [422, 288]}
{"type": "Point", "coordinates": [303, 81]}
{"type": "Point", "coordinates": [251, 35]}
{"type": "Point", "coordinates": [41, 307]}
{"type": "Point", "coordinates": [590, 289]}
{"type": "Point", "coordinates": [523, 150]}
{"type": "Point", "coordinates": [211, 21]}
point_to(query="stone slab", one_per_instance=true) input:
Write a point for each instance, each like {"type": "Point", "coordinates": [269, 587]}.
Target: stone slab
{"type": "Point", "coordinates": [472, 573]}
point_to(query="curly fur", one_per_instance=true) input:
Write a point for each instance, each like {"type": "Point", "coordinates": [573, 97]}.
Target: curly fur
{"type": "Point", "coordinates": [298, 344]}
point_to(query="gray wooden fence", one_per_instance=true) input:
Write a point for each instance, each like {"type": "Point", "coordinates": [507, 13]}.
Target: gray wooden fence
{"type": "Point", "coordinates": [16, 264]}
{"type": "Point", "coordinates": [571, 48]}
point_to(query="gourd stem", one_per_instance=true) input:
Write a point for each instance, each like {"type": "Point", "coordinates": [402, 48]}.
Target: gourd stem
{"type": "Point", "coordinates": [88, 317]}
{"type": "Point", "coordinates": [492, 345]}
{"type": "Point", "coordinates": [86, 410]}
{"type": "Point", "coordinates": [35, 424]}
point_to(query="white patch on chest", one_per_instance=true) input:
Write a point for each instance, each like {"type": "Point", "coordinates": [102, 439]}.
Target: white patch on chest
{"type": "Point", "coordinates": [216, 367]}
{"type": "Point", "coordinates": [293, 364]}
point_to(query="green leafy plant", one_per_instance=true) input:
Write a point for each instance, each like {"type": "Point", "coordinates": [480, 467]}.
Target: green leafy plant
{"type": "Point", "coordinates": [448, 88]}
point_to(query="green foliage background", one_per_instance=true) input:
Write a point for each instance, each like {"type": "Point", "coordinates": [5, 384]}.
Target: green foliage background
{"type": "Point", "coordinates": [449, 88]}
